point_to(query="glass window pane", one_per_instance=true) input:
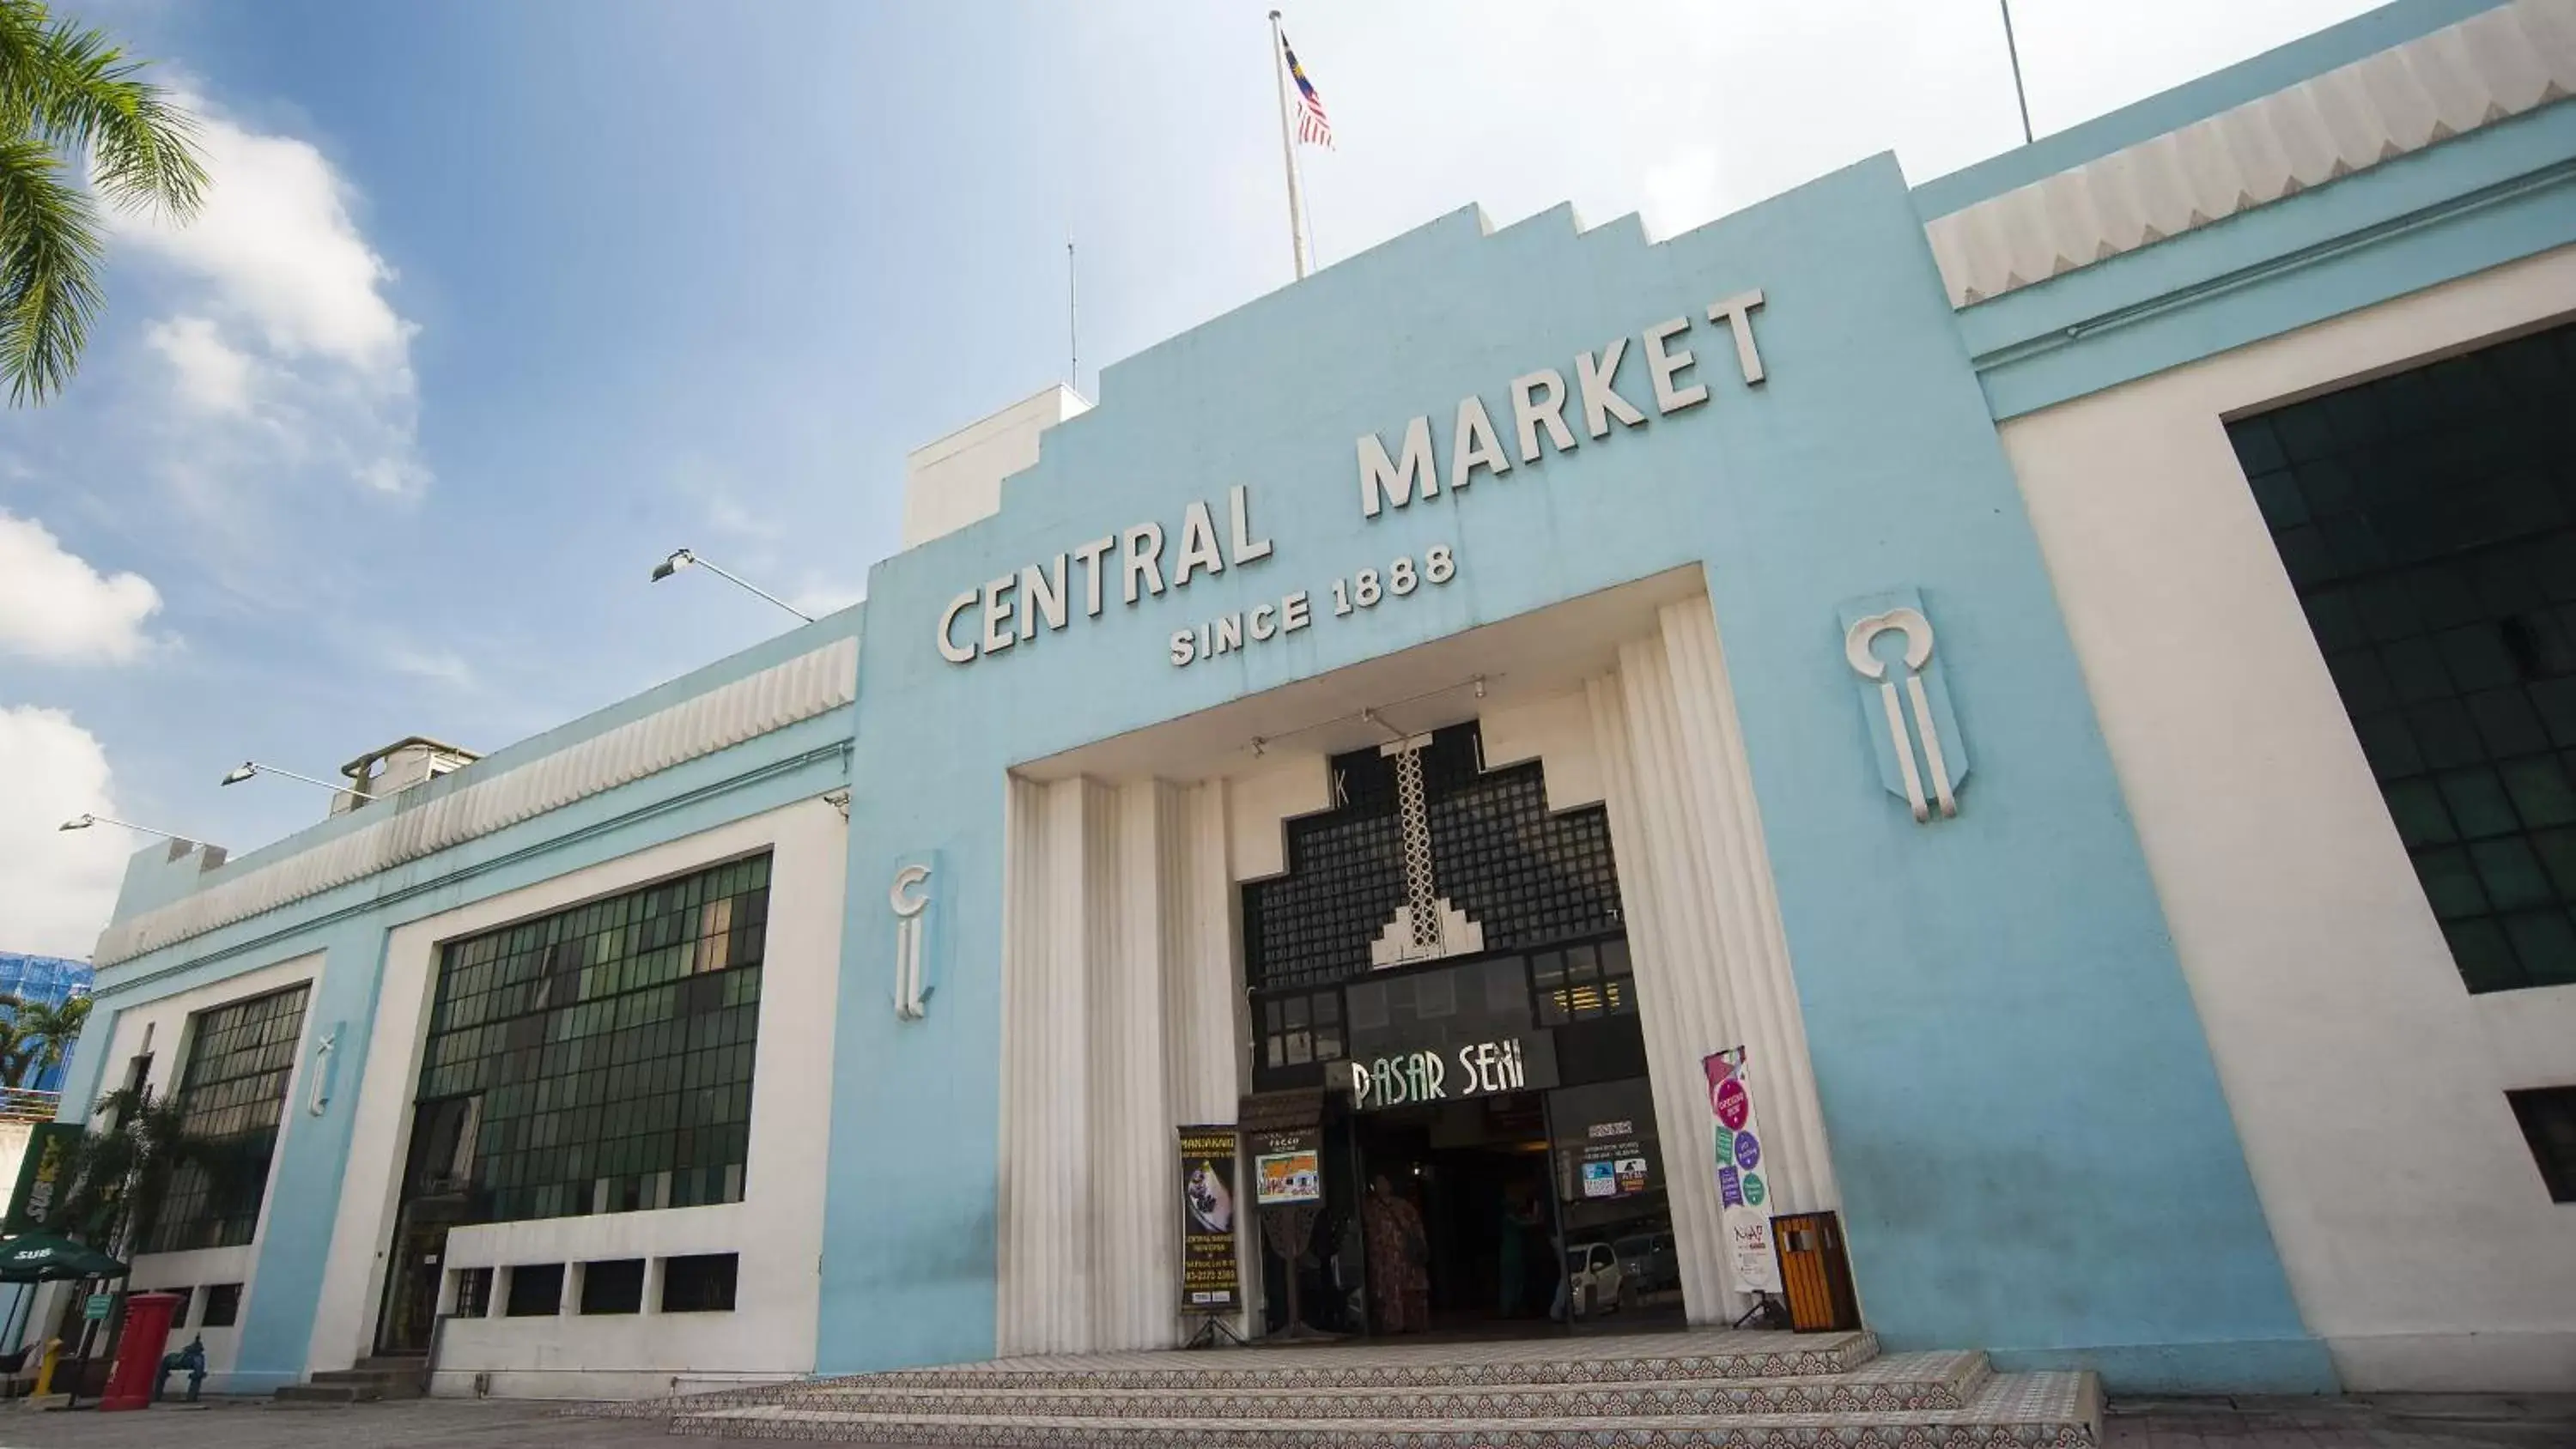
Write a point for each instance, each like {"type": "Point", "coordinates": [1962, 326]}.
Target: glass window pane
{"type": "Point", "coordinates": [2450, 883]}
{"type": "Point", "coordinates": [2546, 942]}
{"type": "Point", "coordinates": [2422, 818]}
{"type": "Point", "coordinates": [2479, 805]}
{"type": "Point", "coordinates": [1614, 957]}
{"type": "Point", "coordinates": [1435, 995]}
{"type": "Point", "coordinates": [2443, 732]}
{"type": "Point", "coordinates": [2557, 851]}
{"type": "Point", "coordinates": [2540, 791]}
{"type": "Point", "coordinates": [2428, 523]}
{"type": "Point", "coordinates": [2511, 874]}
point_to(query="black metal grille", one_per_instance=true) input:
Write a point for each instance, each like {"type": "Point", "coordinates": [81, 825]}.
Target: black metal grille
{"type": "Point", "coordinates": [230, 1098]}
{"type": "Point", "coordinates": [2428, 522]}
{"type": "Point", "coordinates": [600, 1059]}
{"type": "Point", "coordinates": [1527, 876]}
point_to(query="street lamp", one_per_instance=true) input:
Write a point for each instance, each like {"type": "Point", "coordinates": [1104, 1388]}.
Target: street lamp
{"type": "Point", "coordinates": [684, 558]}
{"type": "Point", "coordinates": [249, 768]}
{"type": "Point", "coordinates": [84, 822]}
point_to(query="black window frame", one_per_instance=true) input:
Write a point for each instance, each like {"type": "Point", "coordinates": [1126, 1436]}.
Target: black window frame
{"type": "Point", "coordinates": [2427, 522]}
{"type": "Point", "coordinates": [520, 1300]}
{"type": "Point", "coordinates": [612, 1286]}
{"type": "Point", "coordinates": [701, 1283]}
{"type": "Point", "coordinates": [240, 1059]}
{"type": "Point", "coordinates": [2548, 1119]}
{"type": "Point", "coordinates": [606, 1050]}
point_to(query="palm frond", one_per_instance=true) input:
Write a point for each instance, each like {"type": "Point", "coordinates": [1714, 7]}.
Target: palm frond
{"type": "Point", "coordinates": [80, 92]}
{"type": "Point", "coordinates": [49, 259]}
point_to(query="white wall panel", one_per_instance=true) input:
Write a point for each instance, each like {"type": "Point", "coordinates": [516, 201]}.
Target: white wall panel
{"type": "Point", "coordinates": [2367, 1084]}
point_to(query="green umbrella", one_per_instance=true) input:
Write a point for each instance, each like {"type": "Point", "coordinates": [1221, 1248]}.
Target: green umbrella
{"type": "Point", "coordinates": [44, 1258]}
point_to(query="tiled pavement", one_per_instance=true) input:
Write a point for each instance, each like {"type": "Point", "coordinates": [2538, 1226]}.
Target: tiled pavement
{"type": "Point", "coordinates": [2411, 1422]}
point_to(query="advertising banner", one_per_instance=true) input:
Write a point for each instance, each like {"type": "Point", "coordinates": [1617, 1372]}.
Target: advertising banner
{"type": "Point", "coordinates": [1211, 1280]}
{"type": "Point", "coordinates": [1743, 1195]}
{"type": "Point", "coordinates": [40, 1175]}
{"type": "Point", "coordinates": [1284, 1177]}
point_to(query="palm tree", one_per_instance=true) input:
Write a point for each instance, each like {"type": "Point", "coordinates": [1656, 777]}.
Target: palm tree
{"type": "Point", "coordinates": [35, 1036]}
{"type": "Point", "coordinates": [69, 96]}
{"type": "Point", "coordinates": [118, 1174]}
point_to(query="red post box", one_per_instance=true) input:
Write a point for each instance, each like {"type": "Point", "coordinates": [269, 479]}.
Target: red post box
{"type": "Point", "coordinates": [139, 1349]}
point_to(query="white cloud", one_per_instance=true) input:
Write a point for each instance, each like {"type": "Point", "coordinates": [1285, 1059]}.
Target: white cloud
{"type": "Point", "coordinates": [56, 887]}
{"type": "Point", "coordinates": [212, 377]}
{"type": "Point", "coordinates": [55, 607]}
{"type": "Point", "coordinates": [285, 353]}
{"type": "Point", "coordinates": [277, 245]}
{"type": "Point", "coordinates": [443, 666]}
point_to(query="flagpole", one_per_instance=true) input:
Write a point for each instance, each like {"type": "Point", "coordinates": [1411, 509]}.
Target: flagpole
{"type": "Point", "coordinates": [1288, 149]}
{"type": "Point", "coordinates": [2014, 51]}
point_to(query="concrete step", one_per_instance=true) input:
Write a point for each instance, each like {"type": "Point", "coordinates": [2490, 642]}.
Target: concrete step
{"type": "Point", "coordinates": [2022, 1411]}
{"type": "Point", "coordinates": [414, 1364]}
{"type": "Point", "coordinates": [1634, 1358]}
{"type": "Point", "coordinates": [355, 1386]}
{"type": "Point", "coordinates": [1899, 1381]}
{"type": "Point", "coordinates": [326, 1394]}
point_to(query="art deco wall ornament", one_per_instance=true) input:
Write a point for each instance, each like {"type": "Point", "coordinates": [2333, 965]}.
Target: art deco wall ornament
{"type": "Point", "coordinates": [317, 1097]}
{"type": "Point", "coordinates": [1426, 927]}
{"type": "Point", "coordinates": [1905, 702]}
{"type": "Point", "coordinates": [912, 986]}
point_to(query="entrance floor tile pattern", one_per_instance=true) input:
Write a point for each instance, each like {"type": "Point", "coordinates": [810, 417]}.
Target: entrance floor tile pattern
{"type": "Point", "coordinates": [1688, 1390]}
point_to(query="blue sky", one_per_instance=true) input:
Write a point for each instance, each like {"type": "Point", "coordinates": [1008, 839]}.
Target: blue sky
{"type": "Point", "coordinates": [498, 303]}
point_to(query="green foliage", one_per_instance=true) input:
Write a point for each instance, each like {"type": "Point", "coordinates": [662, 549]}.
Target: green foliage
{"type": "Point", "coordinates": [119, 1174]}
{"type": "Point", "coordinates": [35, 1036]}
{"type": "Point", "coordinates": [70, 100]}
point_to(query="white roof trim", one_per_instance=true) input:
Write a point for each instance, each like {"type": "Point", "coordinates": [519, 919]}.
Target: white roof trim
{"type": "Point", "coordinates": [772, 699]}
{"type": "Point", "coordinates": [2501, 63]}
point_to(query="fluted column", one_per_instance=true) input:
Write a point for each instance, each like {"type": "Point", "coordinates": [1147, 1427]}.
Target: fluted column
{"type": "Point", "coordinates": [1133, 1247]}
{"type": "Point", "coordinates": [1711, 956]}
{"type": "Point", "coordinates": [1757, 956]}
{"type": "Point", "coordinates": [1679, 993]}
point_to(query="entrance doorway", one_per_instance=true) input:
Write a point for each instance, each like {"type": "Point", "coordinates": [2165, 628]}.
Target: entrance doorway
{"type": "Point", "coordinates": [1473, 1174]}
{"type": "Point", "coordinates": [1537, 1212]}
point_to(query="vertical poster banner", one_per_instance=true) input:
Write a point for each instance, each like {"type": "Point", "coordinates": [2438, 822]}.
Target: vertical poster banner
{"type": "Point", "coordinates": [40, 1175]}
{"type": "Point", "coordinates": [1211, 1281]}
{"type": "Point", "coordinates": [1742, 1194]}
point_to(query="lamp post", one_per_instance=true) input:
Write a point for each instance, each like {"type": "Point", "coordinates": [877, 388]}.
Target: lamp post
{"type": "Point", "coordinates": [84, 822]}
{"type": "Point", "coordinates": [682, 558]}
{"type": "Point", "coordinates": [249, 768]}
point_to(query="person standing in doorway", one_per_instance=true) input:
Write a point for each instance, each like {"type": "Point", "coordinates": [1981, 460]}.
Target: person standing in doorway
{"type": "Point", "coordinates": [1399, 1257]}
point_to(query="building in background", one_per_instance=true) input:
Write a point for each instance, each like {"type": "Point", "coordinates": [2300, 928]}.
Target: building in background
{"type": "Point", "coordinates": [43, 981]}
{"type": "Point", "coordinates": [2069, 666]}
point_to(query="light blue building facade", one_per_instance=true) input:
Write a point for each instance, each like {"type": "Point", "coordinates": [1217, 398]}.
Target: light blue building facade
{"type": "Point", "coordinates": [1917, 586]}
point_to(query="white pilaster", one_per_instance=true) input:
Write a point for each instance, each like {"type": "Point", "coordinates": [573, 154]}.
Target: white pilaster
{"type": "Point", "coordinates": [1704, 928]}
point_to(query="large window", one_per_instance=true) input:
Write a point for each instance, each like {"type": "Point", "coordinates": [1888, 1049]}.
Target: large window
{"type": "Point", "coordinates": [231, 1095]}
{"type": "Point", "coordinates": [2428, 522]}
{"type": "Point", "coordinates": [598, 1059]}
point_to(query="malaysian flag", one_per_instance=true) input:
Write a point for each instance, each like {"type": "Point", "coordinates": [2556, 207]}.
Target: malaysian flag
{"type": "Point", "coordinates": [1313, 127]}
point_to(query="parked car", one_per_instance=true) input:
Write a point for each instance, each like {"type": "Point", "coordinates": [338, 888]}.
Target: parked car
{"type": "Point", "coordinates": [1596, 1282]}
{"type": "Point", "coordinates": [1649, 1262]}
